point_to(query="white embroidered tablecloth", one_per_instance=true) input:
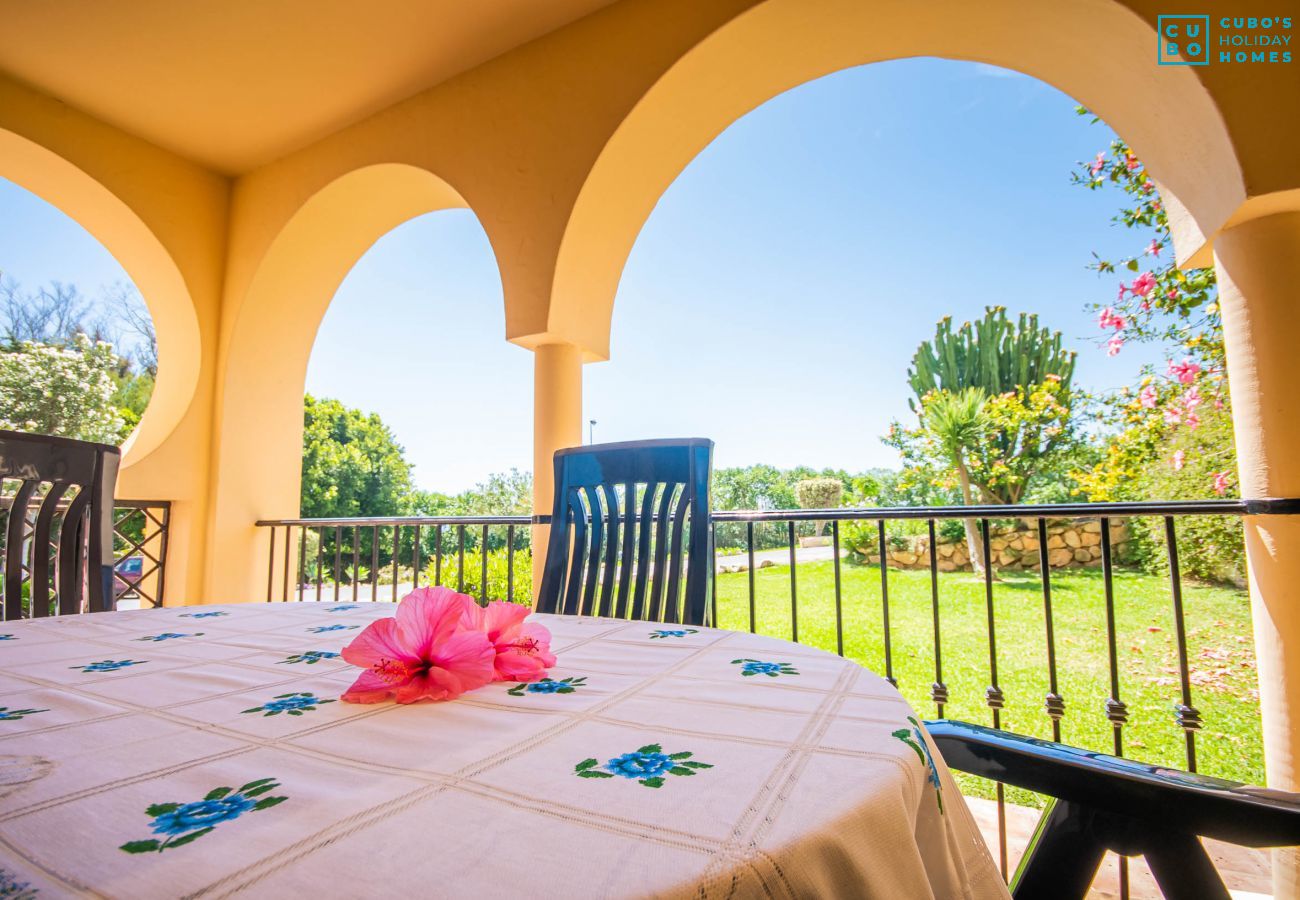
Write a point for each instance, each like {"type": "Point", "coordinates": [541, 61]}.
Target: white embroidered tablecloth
{"type": "Point", "coordinates": [202, 751]}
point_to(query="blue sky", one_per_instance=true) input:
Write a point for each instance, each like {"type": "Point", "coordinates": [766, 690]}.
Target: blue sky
{"type": "Point", "coordinates": [773, 300]}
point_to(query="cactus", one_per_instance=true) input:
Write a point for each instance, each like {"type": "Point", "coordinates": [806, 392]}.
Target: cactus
{"type": "Point", "coordinates": [993, 354]}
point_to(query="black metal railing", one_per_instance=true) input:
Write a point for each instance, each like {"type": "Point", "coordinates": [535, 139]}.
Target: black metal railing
{"type": "Point", "coordinates": [401, 541]}
{"type": "Point", "coordinates": [140, 533]}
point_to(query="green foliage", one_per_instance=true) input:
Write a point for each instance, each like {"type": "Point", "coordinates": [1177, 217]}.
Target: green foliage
{"type": "Point", "coordinates": [351, 463]}
{"type": "Point", "coordinates": [497, 575]}
{"type": "Point", "coordinates": [993, 354]}
{"type": "Point", "coordinates": [66, 391]}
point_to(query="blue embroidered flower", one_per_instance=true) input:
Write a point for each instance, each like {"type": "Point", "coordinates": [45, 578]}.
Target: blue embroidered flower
{"type": "Point", "coordinates": [6, 637]}
{"type": "Point", "coordinates": [293, 704]}
{"type": "Point", "coordinates": [310, 657]}
{"type": "Point", "coordinates": [916, 741]}
{"type": "Point", "coordinates": [548, 686]}
{"type": "Point", "coordinates": [202, 814]}
{"type": "Point", "coordinates": [321, 629]}
{"type": "Point", "coordinates": [667, 633]}
{"type": "Point", "coordinates": [342, 607]}
{"type": "Point", "coordinates": [182, 823]}
{"type": "Point", "coordinates": [647, 765]}
{"type": "Point", "coordinates": [11, 715]}
{"type": "Point", "coordinates": [759, 667]}
{"type": "Point", "coordinates": [168, 636]}
{"type": "Point", "coordinates": [109, 665]}
{"type": "Point", "coordinates": [203, 615]}
{"type": "Point", "coordinates": [13, 889]}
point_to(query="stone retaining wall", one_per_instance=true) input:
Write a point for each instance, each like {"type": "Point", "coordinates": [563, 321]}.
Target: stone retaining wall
{"type": "Point", "coordinates": [1068, 544]}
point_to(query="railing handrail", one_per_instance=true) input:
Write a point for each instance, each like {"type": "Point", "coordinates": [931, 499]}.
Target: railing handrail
{"type": "Point", "coordinates": [1264, 506]}
{"type": "Point", "coordinates": [401, 520]}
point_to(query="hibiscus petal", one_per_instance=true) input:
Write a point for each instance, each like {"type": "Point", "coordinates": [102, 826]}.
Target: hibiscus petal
{"type": "Point", "coordinates": [501, 619]}
{"type": "Point", "coordinates": [468, 656]}
{"type": "Point", "coordinates": [428, 616]}
{"type": "Point", "coordinates": [380, 640]}
{"type": "Point", "coordinates": [369, 688]}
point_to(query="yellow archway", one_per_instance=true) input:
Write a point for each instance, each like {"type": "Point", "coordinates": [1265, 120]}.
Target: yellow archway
{"type": "Point", "coordinates": [781, 44]}
{"type": "Point", "coordinates": [257, 449]}
{"type": "Point", "coordinates": [122, 232]}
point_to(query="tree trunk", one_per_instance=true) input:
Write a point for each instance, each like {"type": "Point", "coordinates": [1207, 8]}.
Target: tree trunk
{"type": "Point", "coordinates": [974, 541]}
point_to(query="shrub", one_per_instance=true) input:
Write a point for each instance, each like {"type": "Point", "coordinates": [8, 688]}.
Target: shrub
{"type": "Point", "coordinates": [497, 572]}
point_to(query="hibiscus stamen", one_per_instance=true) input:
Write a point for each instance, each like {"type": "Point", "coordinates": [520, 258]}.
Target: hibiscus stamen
{"type": "Point", "coordinates": [392, 671]}
{"type": "Point", "coordinates": [527, 645]}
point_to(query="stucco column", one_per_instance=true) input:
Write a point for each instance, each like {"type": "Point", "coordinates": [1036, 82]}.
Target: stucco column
{"type": "Point", "coordinates": [1258, 264]}
{"type": "Point", "coordinates": [557, 423]}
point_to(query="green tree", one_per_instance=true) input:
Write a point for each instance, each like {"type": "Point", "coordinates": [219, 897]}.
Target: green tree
{"type": "Point", "coordinates": [819, 493]}
{"type": "Point", "coordinates": [351, 463]}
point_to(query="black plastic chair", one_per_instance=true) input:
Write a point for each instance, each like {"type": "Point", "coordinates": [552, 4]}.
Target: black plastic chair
{"type": "Point", "coordinates": [1105, 803]}
{"type": "Point", "coordinates": [75, 534]}
{"type": "Point", "coordinates": [629, 519]}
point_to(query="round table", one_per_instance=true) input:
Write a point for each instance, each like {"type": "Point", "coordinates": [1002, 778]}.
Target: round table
{"type": "Point", "coordinates": [203, 751]}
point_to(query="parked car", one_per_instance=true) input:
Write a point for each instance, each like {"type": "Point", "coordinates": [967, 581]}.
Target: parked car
{"type": "Point", "coordinates": [126, 575]}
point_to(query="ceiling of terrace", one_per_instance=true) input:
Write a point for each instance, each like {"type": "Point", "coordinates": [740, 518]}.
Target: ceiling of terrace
{"type": "Point", "coordinates": [234, 84]}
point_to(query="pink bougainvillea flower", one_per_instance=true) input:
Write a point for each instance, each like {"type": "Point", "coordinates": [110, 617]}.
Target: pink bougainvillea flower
{"type": "Point", "coordinates": [424, 653]}
{"type": "Point", "coordinates": [1144, 284]}
{"type": "Point", "coordinates": [1220, 483]}
{"type": "Point", "coordinates": [1148, 397]}
{"type": "Point", "coordinates": [1114, 345]}
{"type": "Point", "coordinates": [1154, 248]}
{"type": "Point", "coordinates": [523, 649]}
{"type": "Point", "coordinates": [1178, 461]}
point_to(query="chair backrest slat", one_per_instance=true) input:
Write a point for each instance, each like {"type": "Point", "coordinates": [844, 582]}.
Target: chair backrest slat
{"type": "Point", "coordinates": [46, 469]}
{"type": "Point", "coordinates": [629, 520]}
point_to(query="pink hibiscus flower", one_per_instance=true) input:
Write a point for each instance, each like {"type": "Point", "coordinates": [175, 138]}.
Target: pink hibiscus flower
{"type": "Point", "coordinates": [1185, 371]}
{"type": "Point", "coordinates": [1154, 248]}
{"type": "Point", "coordinates": [1114, 345]}
{"type": "Point", "coordinates": [1179, 460]}
{"type": "Point", "coordinates": [523, 649]}
{"type": "Point", "coordinates": [1144, 284]}
{"type": "Point", "coordinates": [1148, 397]}
{"type": "Point", "coordinates": [424, 653]}
{"type": "Point", "coordinates": [1173, 415]}
{"type": "Point", "coordinates": [1098, 163]}
{"type": "Point", "coordinates": [1220, 483]}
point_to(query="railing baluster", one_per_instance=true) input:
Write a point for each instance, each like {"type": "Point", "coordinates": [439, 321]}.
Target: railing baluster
{"type": "Point", "coordinates": [1053, 702]}
{"type": "Point", "coordinates": [794, 588]}
{"type": "Point", "coordinates": [884, 602]}
{"type": "Point", "coordinates": [510, 563]}
{"type": "Point", "coordinates": [288, 553]}
{"type": "Point", "coordinates": [270, 567]}
{"type": "Point", "coordinates": [938, 690]}
{"type": "Point", "coordinates": [320, 561]}
{"type": "Point", "coordinates": [993, 694]}
{"type": "Point", "coordinates": [356, 559]}
{"type": "Point", "coordinates": [839, 605]}
{"type": "Point", "coordinates": [302, 559]}
{"type": "Point", "coordinates": [1116, 710]}
{"type": "Point", "coordinates": [338, 552]}
{"type": "Point", "coordinates": [713, 582]}
{"type": "Point", "coordinates": [483, 572]}
{"type": "Point", "coordinates": [460, 559]}
{"type": "Point", "coordinates": [397, 552]}
{"type": "Point", "coordinates": [437, 555]}
{"type": "Point", "coordinates": [1189, 718]}
{"type": "Point", "coordinates": [415, 559]}
{"type": "Point", "coordinates": [374, 564]}
{"type": "Point", "coordinates": [749, 543]}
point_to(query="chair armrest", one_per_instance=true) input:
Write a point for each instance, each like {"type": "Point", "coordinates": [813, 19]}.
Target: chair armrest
{"type": "Point", "coordinates": [1174, 799]}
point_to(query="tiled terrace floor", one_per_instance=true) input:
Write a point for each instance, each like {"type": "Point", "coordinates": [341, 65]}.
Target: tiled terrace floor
{"type": "Point", "coordinates": [1246, 872]}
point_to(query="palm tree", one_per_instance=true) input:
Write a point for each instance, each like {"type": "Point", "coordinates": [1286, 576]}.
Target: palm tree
{"type": "Point", "coordinates": [956, 421]}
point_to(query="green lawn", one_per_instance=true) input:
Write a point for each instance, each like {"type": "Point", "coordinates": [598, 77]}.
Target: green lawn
{"type": "Point", "coordinates": [1220, 652]}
